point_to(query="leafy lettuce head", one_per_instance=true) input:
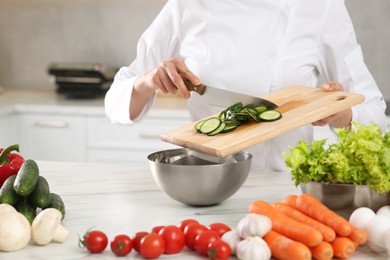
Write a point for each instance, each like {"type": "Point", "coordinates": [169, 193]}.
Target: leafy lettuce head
{"type": "Point", "coordinates": [361, 156]}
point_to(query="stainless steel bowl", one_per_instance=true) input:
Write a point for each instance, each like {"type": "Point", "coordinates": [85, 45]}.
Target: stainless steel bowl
{"type": "Point", "coordinates": [199, 179]}
{"type": "Point", "coordinates": [345, 198]}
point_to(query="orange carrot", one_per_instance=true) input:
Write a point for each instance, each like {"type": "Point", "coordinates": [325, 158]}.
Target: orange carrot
{"type": "Point", "coordinates": [283, 247]}
{"type": "Point", "coordinates": [343, 247]}
{"type": "Point", "coordinates": [291, 200]}
{"type": "Point", "coordinates": [356, 245]}
{"type": "Point", "coordinates": [358, 236]}
{"type": "Point", "coordinates": [287, 226]}
{"type": "Point", "coordinates": [323, 251]}
{"type": "Point", "coordinates": [328, 233]}
{"type": "Point", "coordinates": [311, 206]}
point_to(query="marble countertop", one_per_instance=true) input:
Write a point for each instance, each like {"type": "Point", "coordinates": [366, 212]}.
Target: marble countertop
{"type": "Point", "coordinates": [123, 198]}
{"type": "Point", "coordinates": [45, 101]}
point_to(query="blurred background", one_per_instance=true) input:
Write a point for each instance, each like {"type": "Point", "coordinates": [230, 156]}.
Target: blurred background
{"type": "Point", "coordinates": [35, 33]}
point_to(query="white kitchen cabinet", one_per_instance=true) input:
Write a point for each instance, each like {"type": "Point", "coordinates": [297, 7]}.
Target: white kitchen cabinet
{"type": "Point", "coordinates": [92, 138]}
{"type": "Point", "coordinates": [52, 137]}
{"type": "Point", "coordinates": [48, 126]}
{"type": "Point", "coordinates": [8, 128]}
{"type": "Point", "coordinates": [117, 143]}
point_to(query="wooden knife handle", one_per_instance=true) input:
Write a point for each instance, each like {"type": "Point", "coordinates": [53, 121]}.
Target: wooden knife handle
{"type": "Point", "coordinates": [200, 89]}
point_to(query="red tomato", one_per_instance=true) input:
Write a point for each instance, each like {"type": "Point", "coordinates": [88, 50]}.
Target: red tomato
{"type": "Point", "coordinates": [121, 245]}
{"type": "Point", "coordinates": [174, 239]}
{"type": "Point", "coordinates": [157, 229]}
{"type": "Point", "coordinates": [152, 246]}
{"type": "Point", "coordinates": [203, 240]}
{"type": "Point", "coordinates": [137, 239]}
{"type": "Point", "coordinates": [221, 228]}
{"type": "Point", "coordinates": [219, 250]}
{"type": "Point", "coordinates": [95, 241]}
{"type": "Point", "coordinates": [190, 233]}
{"type": "Point", "coordinates": [182, 225]}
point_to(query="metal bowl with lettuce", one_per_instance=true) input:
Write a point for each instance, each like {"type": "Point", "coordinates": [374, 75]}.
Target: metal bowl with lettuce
{"type": "Point", "coordinates": [353, 172]}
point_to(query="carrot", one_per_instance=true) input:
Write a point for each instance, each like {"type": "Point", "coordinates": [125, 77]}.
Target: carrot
{"type": "Point", "coordinates": [287, 226]}
{"type": "Point", "coordinates": [291, 200]}
{"type": "Point", "coordinates": [323, 251]}
{"type": "Point", "coordinates": [343, 247]}
{"type": "Point", "coordinates": [358, 236]}
{"type": "Point", "coordinates": [328, 233]}
{"type": "Point", "coordinates": [283, 247]}
{"type": "Point", "coordinates": [356, 245]}
{"type": "Point", "coordinates": [311, 206]}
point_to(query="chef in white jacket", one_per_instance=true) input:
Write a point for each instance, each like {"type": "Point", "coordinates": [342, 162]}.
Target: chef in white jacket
{"type": "Point", "coordinates": [253, 47]}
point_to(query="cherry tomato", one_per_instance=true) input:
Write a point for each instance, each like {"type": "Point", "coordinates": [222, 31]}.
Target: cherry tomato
{"type": "Point", "coordinates": [137, 239]}
{"type": "Point", "coordinates": [95, 241]}
{"type": "Point", "coordinates": [152, 246]}
{"type": "Point", "coordinates": [203, 240]}
{"type": "Point", "coordinates": [157, 229]}
{"type": "Point", "coordinates": [121, 245]}
{"type": "Point", "coordinates": [219, 250]}
{"type": "Point", "coordinates": [174, 239]}
{"type": "Point", "coordinates": [182, 225]}
{"type": "Point", "coordinates": [190, 233]}
{"type": "Point", "coordinates": [221, 228]}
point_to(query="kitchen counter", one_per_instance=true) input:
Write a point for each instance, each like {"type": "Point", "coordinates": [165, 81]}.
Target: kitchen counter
{"type": "Point", "coordinates": [124, 198]}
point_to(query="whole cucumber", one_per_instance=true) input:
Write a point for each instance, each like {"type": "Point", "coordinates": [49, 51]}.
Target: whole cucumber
{"type": "Point", "coordinates": [7, 192]}
{"type": "Point", "coordinates": [40, 196]}
{"type": "Point", "coordinates": [25, 207]}
{"type": "Point", "coordinates": [26, 178]}
{"type": "Point", "coordinates": [57, 203]}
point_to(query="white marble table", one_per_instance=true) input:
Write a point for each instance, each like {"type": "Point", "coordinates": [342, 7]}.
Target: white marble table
{"type": "Point", "coordinates": [123, 198]}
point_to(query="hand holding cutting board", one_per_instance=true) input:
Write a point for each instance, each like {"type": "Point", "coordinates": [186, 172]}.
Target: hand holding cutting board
{"type": "Point", "coordinates": [340, 119]}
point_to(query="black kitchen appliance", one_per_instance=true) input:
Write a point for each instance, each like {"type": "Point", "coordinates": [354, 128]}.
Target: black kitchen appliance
{"type": "Point", "coordinates": [82, 80]}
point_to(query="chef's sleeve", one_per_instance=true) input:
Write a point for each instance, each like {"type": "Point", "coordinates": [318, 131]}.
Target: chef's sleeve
{"type": "Point", "coordinates": [157, 44]}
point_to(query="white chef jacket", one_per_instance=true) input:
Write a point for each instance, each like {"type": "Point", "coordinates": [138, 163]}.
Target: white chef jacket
{"type": "Point", "coordinates": [253, 47]}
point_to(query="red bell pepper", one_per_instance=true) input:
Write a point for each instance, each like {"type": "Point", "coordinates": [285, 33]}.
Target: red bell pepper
{"type": "Point", "coordinates": [10, 163]}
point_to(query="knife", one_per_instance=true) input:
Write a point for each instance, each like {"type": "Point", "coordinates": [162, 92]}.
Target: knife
{"type": "Point", "coordinates": [225, 98]}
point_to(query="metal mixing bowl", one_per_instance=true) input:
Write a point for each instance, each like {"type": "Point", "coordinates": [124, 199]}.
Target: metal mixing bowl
{"type": "Point", "coordinates": [345, 198]}
{"type": "Point", "coordinates": [199, 179]}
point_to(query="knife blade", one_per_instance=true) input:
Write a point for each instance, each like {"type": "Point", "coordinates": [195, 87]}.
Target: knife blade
{"type": "Point", "coordinates": [225, 98]}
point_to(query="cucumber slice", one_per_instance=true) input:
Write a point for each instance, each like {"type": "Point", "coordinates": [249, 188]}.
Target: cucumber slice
{"type": "Point", "coordinates": [210, 125]}
{"type": "Point", "coordinates": [229, 128]}
{"type": "Point", "coordinates": [270, 115]}
{"type": "Point", "coordinates": [222, 115]}
{"type": "Point", "coordinates": [253, 114]}
{"type": "Point", "coordinates": [198, 125]}
{"type": "Point", "coordinates": [260, 109]}
{"type": "Point", "coordinates": [219, 129]}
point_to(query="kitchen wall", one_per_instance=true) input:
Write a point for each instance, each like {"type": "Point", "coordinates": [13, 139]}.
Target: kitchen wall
{"type": "Point", "coordinates": [34, 33]}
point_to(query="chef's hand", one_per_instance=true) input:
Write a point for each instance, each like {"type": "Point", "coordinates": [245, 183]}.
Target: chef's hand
{"type": "Point", "coordinates": [168, 78]}
{"type": "Point", "coordinates": [338, 120]}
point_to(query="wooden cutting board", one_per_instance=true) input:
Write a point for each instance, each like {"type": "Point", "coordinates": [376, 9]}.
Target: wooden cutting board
{"type": "Point", "coordinates": [299, 105]}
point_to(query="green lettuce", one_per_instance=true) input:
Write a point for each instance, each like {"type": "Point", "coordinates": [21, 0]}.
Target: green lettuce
{"type": "Point", "coordinates": [361, 156]}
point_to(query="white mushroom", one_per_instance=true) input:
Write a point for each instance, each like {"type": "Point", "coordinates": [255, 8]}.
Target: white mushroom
{"type": "Point", "coordinates": [4, 207]}
{"type": "Point", "coordinates": [47, 227]}
{"type": "Point", "coordinates": [15, 231]}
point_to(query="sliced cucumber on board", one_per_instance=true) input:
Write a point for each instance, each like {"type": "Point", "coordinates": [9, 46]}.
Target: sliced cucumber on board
{"type": "Point", "coordinates": [233, 116]}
